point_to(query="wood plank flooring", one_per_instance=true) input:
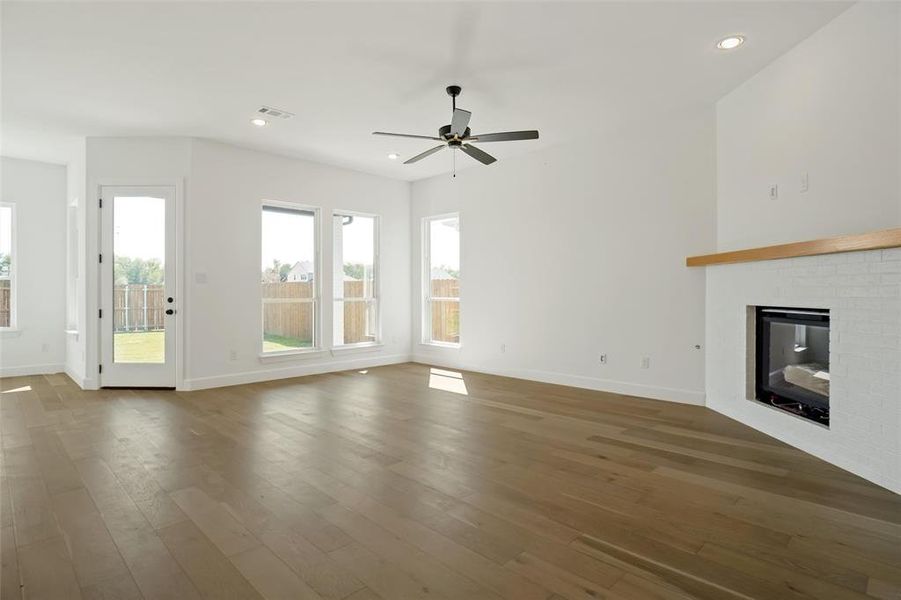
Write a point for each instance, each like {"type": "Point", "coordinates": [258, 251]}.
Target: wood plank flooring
{"type": "Point", "coordinates": [382, 484]}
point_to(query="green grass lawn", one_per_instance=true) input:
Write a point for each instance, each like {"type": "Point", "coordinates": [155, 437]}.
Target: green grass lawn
{"type": "Point", "coordinates": [149, 346]}
{"type": "Point", "coordinates": [140, 347]}
{"type": "Point", "coordinates": [279, 343]}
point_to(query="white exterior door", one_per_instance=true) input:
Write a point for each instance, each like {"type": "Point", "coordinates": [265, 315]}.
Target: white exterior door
{"type": "Point", "coordinates": [138, 295]}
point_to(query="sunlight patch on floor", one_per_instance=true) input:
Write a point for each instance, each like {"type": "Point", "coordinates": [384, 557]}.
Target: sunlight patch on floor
{"type": "Point", "coordinates": [24, 388]}
{"type": "Point", "coordinates": [448, 381]}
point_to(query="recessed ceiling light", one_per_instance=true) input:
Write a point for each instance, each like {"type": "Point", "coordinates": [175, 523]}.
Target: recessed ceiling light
{"type": "Point", "coordinates": [731, 42]}
{"type": "Point", "coordinates": [394, 156]}
{"type": "Point", "coordinates": [259, 122]}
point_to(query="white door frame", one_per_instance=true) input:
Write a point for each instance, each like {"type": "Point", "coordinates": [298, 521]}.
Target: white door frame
{"type": "Point", "coordinates": [181, 288]}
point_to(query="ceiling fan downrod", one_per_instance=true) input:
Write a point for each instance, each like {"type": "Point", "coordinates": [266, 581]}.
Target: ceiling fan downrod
{"type": "Point", "coordinates": [453, 91]}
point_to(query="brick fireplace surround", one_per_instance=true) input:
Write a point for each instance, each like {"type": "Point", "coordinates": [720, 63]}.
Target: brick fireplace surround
{"type": "Point", "coordinates": [862, 290]}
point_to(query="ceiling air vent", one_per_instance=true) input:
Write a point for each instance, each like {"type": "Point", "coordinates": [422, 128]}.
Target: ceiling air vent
{"type": "Point", "coordinates": [275, 113]}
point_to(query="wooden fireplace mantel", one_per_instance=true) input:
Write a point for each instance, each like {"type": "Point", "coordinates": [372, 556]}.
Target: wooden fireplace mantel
{"type": "Point", "coordinates": [875, 240]}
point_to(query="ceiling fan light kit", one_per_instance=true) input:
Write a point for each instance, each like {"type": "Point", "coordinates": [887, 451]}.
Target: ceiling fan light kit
{"type": "Point", "coordinates": [457, 135]}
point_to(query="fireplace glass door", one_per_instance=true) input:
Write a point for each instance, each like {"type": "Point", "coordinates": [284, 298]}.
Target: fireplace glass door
{"type": "Point", "coordinates": [793, 361]}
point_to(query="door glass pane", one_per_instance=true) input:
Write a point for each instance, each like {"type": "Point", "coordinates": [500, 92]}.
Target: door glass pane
{"type": "Point", "coordinates": [139, 302]}
{"type": "Point", "coordinates": [6, 265]}
{"type": "Point", "coordinates": [288, 278]}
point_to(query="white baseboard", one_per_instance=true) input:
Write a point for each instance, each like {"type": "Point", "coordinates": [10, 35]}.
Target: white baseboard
{"type": "Point", "coordinates": [363, 362]}
{"type": "Point", "coordinates": [24, 370]}
{"type": "Point", "coordinates": [641, 390]}
{"type": "Point", "coordinates": [75, 376]}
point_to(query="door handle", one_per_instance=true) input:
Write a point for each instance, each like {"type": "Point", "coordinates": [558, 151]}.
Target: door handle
{"type": "Point", "coordinates": [169, 311]}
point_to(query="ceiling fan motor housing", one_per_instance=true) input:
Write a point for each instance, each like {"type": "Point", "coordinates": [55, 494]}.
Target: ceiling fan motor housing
{"type": "Point", "coordinates": [445, 133]}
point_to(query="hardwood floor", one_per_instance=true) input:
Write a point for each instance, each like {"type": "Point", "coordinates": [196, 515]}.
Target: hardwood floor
{"type": "Point", "coordinates": [372, 484]}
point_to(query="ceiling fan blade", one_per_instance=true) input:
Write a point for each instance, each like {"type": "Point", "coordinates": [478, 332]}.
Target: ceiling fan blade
{"type": "Point", "coordinates": [480, 155]}
{"type": "Point", "coordinates": [460, 121]}
{"type": "Point", "coordinates": [428, 152]}
{"type": "Point", "coordinates": [408, 135]}
{"type": "Point", "coordinates": [507, 136]}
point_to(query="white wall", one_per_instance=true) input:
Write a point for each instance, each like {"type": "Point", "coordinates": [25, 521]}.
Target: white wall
{"type": "Point", "coordinates": [830, 108]}
{"type": "Point", "coordinates": [580, 250]}
{"type": "Point", "coordinates": [227, 187]}
{"type": "Point", "coordinates": [39, 192]}
{"type": "Point", "coordinates": [223, 190]}
{"type": "Point", "coordinates": [76, 262]}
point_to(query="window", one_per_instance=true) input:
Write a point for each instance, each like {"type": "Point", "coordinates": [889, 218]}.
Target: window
{"type": "Point", "coordinates": [355, 277]}
{"type": "Point", "coordinates": [441, 293]}
{"type": "Point", "coordinates": [7, 266]}
{"type": "Point", "coordinates": [290, 278]}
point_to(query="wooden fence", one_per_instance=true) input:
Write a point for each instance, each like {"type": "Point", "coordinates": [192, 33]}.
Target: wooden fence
{"type": "Point", "coordinates": [446, 313]}
{"type": "Point", "coordinates": [5, 304]}
{"type": "Point", "coordinates": [287, 310]}
{"type": "Point", "coordinates": [138, 307]}
{"type": "Point", "coordinates": [360, 315]}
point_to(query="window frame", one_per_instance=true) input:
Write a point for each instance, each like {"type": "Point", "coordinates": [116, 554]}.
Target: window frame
{"type": "Point", "coordinates": [376, 288]}
{"type": "Point", "coordinates": [13, 267]}
{"type": "Point", "coordinates": [427, 298]}
{"type": "Point", "coordinates": [316, 299]}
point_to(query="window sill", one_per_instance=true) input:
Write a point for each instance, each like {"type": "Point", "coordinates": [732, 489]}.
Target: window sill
{"type": "Point", "coordinates": [444, 345]}
{"type": "Point", "coordinates": [357, 348]}
{"type": "Point", "coordinates": [9, 332]}
{"type": "Point", "coordinates": [292, 355]}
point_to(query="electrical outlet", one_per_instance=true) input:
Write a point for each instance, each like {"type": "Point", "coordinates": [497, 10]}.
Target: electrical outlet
{"type": "Point", "coordinates": [774, 191]}
{"type": "Point", "coordinates": [603, 359]}
{"type": "Point", "coordinates": [45, 347]}
{"type": "Point", "coordinates": [232, 355]}
{"type": "Point", "coordinates": [503, 348]}
{"type": "Point", "coordinates": [805, 182]}
{"type": "Point", "coordinates": [645, 362]}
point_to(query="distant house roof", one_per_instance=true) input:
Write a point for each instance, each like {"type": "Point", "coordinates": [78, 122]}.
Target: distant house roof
{"type": "Point", "coordinates": [301, 271]}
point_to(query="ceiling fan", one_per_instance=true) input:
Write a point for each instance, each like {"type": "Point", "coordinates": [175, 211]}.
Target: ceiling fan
{"type": "Point", "coordinates": [457, 134]}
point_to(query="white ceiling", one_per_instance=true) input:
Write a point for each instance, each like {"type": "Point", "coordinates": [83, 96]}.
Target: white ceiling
{"type": "Point", "coordinates": [202, 69]}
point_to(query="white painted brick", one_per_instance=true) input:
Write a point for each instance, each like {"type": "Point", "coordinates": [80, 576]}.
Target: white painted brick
{"type": "Point", "coordinates": [855, 291]}
{"type": "Point", "coordinates": [886, 267]}
{"type": "Point", "coordinates": [863, 292]}
{"type": "Point", "coordinates": [891, 254]}
{"type": "Point", "coordinates": [875, 256]}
